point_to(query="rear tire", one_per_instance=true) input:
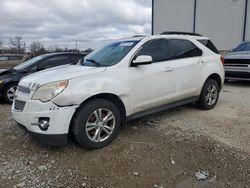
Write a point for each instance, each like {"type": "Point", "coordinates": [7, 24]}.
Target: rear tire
{"type": "Point", "coordinates": [209, 95]}
{"type": "Point", "coordinates": [9, 92]}
{"type": "Point", "coordinates": [96, 124]}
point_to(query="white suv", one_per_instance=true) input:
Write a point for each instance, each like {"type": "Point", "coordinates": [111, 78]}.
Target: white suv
{"type": "Point", "coordinates": [121, 81]}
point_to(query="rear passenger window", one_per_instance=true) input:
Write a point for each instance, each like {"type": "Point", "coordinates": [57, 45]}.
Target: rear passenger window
{"type": "Point", "coordinates": [209, 45]}
{"type": "Point", "coordinates": [76, 58]}
{"type": "Point", "coordinates": [54, 61]}
{"type": "Point", "coordinates": [158, 49]}
{"type": "Point", "coordinates": [184, 49]}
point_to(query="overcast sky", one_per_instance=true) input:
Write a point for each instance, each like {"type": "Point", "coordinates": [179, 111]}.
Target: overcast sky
{"type": "Point", "coordinates": [62, 22]}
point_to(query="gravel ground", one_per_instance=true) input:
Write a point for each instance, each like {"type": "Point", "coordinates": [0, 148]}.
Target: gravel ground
{"type": "Point", "coordinates": [161, 150]}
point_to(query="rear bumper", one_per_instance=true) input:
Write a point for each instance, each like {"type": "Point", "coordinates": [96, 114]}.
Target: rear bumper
{"type": "Point", "coordinates": [237, 75]}
{"type": "Point", "coordinates": [237, 72]}
{"type": "Point", "coordinates": [51, 140]}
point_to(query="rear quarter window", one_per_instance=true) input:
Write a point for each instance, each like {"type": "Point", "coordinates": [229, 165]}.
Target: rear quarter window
{"type": "Point", "coordinates": [76, 58]}
{"type": "Point", "coordinates": [209, 45]}
{"type": "Point", "coordinates": [184, 49]}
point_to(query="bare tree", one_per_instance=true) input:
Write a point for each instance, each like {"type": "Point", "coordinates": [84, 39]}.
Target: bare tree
{"type": "Point", "coordinates": [17, 45]}
{"type": "Point", "coordinates": [37, 48]}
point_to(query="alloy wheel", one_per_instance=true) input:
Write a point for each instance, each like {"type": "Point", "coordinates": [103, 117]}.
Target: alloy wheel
{"type": "Point", "coordinates": [100, 125]}
{"type": "Point", "coordinates": [211, 95]}
{"type": "Point", "coordinates": [11, 93]}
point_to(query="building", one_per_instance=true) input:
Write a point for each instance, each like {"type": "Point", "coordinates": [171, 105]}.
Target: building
{"type": "Point", "coordinates": [226, 22]}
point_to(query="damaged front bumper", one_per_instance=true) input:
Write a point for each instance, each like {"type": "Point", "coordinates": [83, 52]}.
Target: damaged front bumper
{"type": "Point", "coordinates": [32, 114]}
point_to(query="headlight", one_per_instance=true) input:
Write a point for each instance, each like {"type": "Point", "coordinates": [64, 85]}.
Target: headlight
{"type": "Point", "coordinates": [48, 91]}
{"type": "Point", "coordinates": [1, 81]}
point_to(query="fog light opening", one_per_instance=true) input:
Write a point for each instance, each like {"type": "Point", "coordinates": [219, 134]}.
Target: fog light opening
{"type": "Point", "coordinates": [43, 123]}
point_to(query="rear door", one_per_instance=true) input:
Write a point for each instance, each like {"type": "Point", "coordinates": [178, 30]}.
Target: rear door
{"type": "Point", "coordinates": [187, 62]}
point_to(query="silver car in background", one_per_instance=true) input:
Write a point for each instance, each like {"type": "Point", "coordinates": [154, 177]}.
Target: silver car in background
{"type": "Point", "coordinates": [237, 63]}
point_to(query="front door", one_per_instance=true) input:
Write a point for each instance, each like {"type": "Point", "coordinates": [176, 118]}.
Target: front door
{"type": "Point", "coordinates": [152, 85]}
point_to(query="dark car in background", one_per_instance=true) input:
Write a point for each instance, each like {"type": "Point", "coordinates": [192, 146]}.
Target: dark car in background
{"type": "Point", "coordinates": [9, 78]}
{"type": "Point", "coordinates": [237, 63]}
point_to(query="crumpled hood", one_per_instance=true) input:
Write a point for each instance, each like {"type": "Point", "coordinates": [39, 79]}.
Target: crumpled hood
{"type": "Point", "coordinates": [238, 55]}
{"type": "Point", "coordinates": [66, 72]}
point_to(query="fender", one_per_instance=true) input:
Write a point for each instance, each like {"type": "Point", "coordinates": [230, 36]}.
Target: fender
{"type": "Point", "coordinates": [93, 85]}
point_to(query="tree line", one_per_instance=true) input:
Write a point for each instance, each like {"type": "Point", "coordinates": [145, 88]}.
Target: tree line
{"type": "Point", "coordinates": [16, 45]}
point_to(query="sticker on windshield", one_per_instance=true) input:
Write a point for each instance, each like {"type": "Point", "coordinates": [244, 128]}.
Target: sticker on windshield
{"type": "Point", "coordinates": [126, 44]}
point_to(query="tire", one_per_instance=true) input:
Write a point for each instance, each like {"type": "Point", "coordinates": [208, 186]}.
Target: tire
{"type": "Point", "coordinates": [98, 133]}
{"type": "Point", "coordinates": [8, 93]}
{"type": "Point", "coordinates": [209, 95]}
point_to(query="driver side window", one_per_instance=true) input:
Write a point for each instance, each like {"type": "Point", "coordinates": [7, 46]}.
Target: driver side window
{"type": "Point", "coordinates": [158, 49]}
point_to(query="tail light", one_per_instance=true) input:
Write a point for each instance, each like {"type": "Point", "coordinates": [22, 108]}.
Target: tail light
{"type": "Point", "coordinates": [222, 59]}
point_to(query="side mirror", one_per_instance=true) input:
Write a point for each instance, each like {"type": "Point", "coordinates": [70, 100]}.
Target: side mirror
{"type": "Point", "coordinates": [143, 60]}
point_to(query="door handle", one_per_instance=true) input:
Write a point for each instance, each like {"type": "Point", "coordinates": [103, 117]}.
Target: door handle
{"type": "Point", "coordinates": [169, 69]}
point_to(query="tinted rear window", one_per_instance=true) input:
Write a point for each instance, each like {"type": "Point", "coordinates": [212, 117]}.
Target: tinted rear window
{"type": "Point", "coordinates": [210, 45]}
{"type": "Point", "coordinates": [75, 58]}
{"type": "Point", "coordinates": [184, 49]}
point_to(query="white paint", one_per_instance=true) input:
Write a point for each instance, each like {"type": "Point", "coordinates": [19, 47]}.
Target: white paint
{"type": "Point", "coordinates": [139, 88]}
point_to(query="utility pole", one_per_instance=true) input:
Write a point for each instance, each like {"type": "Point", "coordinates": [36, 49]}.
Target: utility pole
{"type": "Point", "coordinates": [76, 45]}
{"type": "Point", "coordinates": [24, 46]}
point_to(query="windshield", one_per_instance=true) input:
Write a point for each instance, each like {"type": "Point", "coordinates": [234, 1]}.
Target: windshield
{"type": "Point", "coordinates": [243, 47]}
{"type": "Point", "coordinates": [110, 54]}
{"type": "Point", "coordinates": [28, 63]}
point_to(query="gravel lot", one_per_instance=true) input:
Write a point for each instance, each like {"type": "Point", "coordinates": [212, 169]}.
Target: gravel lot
{"type": "Point", "coordinates": [162, 150]}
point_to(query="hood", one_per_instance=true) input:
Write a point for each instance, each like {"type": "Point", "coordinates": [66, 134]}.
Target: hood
{"type": "Point", "coordinates": [238, 55]}
{"type": "Point", "coordinates": [60, 73]}
{"type": "Point", "coordinates": [2, 70]}
{"type": "Point", "coordinates": [9, 73]}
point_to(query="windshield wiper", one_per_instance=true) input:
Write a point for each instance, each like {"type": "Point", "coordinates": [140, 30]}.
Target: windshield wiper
{"type": "Point", "coordinates": [94, 62]}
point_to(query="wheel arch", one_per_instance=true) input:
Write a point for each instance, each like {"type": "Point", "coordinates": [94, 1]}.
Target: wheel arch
{"type": "Point", "coordinates": [108, 96]}
{"type": "Point", "coordinates": [217, 78]}
{"type": "Point", "coordinates": [9, 83]}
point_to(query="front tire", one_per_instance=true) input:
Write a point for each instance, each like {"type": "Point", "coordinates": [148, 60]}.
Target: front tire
{"type": "Point", "coordinates": [96, 124]}
{"type": "Point", "coordinates": [209, 95]}
{"type": "Point", "coordinates": [9, 93]}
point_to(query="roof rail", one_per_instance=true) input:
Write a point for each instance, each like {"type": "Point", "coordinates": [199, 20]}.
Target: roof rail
{"type": "Point", "coordinates": [180, 33]}
{"type": "Point", "coordinates": [139, 36]}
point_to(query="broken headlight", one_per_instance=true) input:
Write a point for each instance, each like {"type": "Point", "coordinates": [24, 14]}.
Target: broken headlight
{"type": "Point", "coordinates": [49, 91]}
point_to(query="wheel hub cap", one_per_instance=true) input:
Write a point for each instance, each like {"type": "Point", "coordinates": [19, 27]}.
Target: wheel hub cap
{"type": "Point", "coordinates": [100, 125]}
{"type": "Point", "coordinates": [211, 95]}
{"type": "Point", "coordinates": [11, 93]}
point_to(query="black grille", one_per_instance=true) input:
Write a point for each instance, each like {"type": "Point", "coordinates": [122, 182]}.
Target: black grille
{"type": "Point", "coordinates": [23, 89]}
{"type": "Point", "coordinates": [19, 105]}
{"type": "Point", "coordinates": [237, 61]}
